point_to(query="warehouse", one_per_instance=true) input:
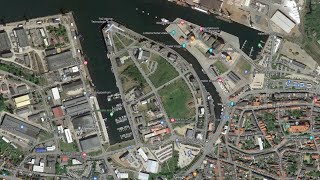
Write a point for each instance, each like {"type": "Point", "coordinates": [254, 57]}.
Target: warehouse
{"type": "Point", "coordinates": [4, 42]}
{"type": "Point", "coordinates": [89, 143]}
{"type": "Point", "coordinates": [283, 21]}
{"type": "Point", "coordinates": [81, 122]}
{"type": "Point", "coordinates": [257, 82]}
{"type": "Point", "coordinates": [22, 101]}
{"type": "Point", "coordinates": [19, 128]}
{"type": "Point", "coordinates": [61, 60]}
{"type": "Point", "coordinates": [21, 34]}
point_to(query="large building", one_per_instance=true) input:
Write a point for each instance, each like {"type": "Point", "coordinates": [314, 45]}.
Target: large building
{"type": "Point", "coordinates": [5, 44]}
{"type": "Point", "coordinates": [21, 34]}
{"type": "Point", "coordinates": [19, 128]}
{"type": "Point", "coordinates": [83, 122]}
{"type": "Point", "coordinates": [89, 143]}
{"type": "Point", "coordinates": [76, 106]}
{"type": "Point", "coordinates": [22, 101]}
{"type": "Point", "coordinates": [61, 60]}
{"type": "Point", "coordinates": [283, 21]}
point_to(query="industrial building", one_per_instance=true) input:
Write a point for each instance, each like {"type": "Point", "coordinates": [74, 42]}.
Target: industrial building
{"type": "Point", "coordinates": [58, 61]}
{"type": "Point", "coordinates": [5, 44]}
{"type": "Point", "coordinates": [143, 176]}
{"type": "Point", "coordinates": [233, 77]}
{"type": "Point", "coordinates": [299, 64]}
{"type": "Point", "coordinates": [257, 82]}
{"type": "Point", "coordinates": [83, 122]}
{"type": "Point", "coordinates": [55, 93]}
{"type": "Point", "coordinates": [19, 128]}
{"type": "Point", "coordinates": [89, 143]}
{"type": "Point", "coordinates": [22, 101]}
{"type": "Point", "coordinates": [67, 132]}
{"type": "Point", "coordinates": [152, 166]}
{"type": "Point", "coordinates": [21, 34]}
{"type": "Point", "coordinates": [143, 154]}
{"type": "Point", "coordinates": [76, 106]}
{"type": "Point", "coordinates": [282, 21]}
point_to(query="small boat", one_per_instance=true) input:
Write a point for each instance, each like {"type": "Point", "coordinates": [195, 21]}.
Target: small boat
{"type": "Point", "coordinates": [164, 20]}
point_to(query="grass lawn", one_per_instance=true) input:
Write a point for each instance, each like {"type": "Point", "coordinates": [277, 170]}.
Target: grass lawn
{"type": "Point", "coordinates": [121, 145]}
{"type": "Point", "coordinates": [132, 77]}
{"type": "Point", "coordinates": [242, 66]}
{"type": "Point", "coordinates": [68, 147]}
{"type": "Point", "coordinates": [175, 98]}
{"type": "Point", "coordinates": [168, 168]}
{"type": "Point", "coordinates": [45, 136]}
{"type": "Point", "coordinates": [95, 153]}
{"type": "Point", "coordinates": [117, 43]}
{"type": "Point", "coordinates": [8, 151]}
{"type": "Point", "coordinates": [126, 41]}
{"type": "Point", "coordinates": [164, 72]}
{"type": "Point", "coordinates": [222, 68]}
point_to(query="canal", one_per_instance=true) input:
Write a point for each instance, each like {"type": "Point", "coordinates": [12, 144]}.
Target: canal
{"type": "Point", "coordinates": [138, 15]}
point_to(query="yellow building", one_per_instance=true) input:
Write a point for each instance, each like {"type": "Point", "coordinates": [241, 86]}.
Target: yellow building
{"type": "Point", "coordinates": [22, 101]}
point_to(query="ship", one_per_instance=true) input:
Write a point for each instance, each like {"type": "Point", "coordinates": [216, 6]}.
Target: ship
{"type": "Point", "coordinates": [164, 20]}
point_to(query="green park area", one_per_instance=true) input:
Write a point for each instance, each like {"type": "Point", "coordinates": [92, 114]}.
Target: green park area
{"type": "Point", "coordinates": [169, 168]}
{"type": "Point", "coordinates": [117, 43]}
{"type": "Point", "coordinates": [220, 67]}
{"type": "Point", "coordinates": [68, 147]}
{"type": "Point", "coordinates": [15, 156]}
{"type": "Point", "coordinates": [176, 98]}
{"type": "Point", "coordinates": [131, 77]}
{"type": "Point", "coordinates": [20, 73]}
{"type": "Point", "coordinates": [312, 32]}
{"type": "Point", "coordinates": [125, 40]}
{"type": "Point", "coordinates": [243, 67]}
{"type": "Point", "coordinates": [164, 72]}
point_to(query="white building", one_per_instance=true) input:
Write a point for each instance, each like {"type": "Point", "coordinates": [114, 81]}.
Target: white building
{"type": "Point", "coordinates": [283, 21]}
{"type": "Point", "coordinates": [143, 154]}
{"type": "Point", "coordinates": [152, 166]}
{"type": "Point", "coordinates": [143, 176]}
{"type": "Point", "coordinates": [55, 93]}
{"type": "Point", "coordinates": [260, 143]}
{"type": "Point", "coordinates": [68, 135]}
{"type": "Point", "coordinates": [51, 148]}
{"type": "Point", "coordinates": [39, 168]}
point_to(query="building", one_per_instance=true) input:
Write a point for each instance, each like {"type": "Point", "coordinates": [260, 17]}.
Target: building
{"type": "Point", "coordinates": [19, 128]}
{"type": "Point", "coordinates": [72, 86]}
{"type": "Point", "coordinates": [21, 34]}
{"type": "Point", "coordinates": [22, 88]}
{"type": "Point", "coordinates": [143, 176]}
{"type": "Point", "coordinates": [143, 154]}
{"type": "Point", "coordinates": [39, 168]}
{"type": "Point", "coordinates": [83, 122]}
{"type": "Point", "coordinates": [143, 54]}
{"type": "Point", "coordinates": [57, 112]}
{"type": "Point", "coordinates": [22, 101]}
{"type": "Point", "coordinates": [61, 60]}
{"type": "Point", "coordinates": [36, 116]}
{"type": "Point", "coordinates": [257, 82]}
{"type": "Point", "coordinates": [51, 51]}
{"type": "Point", "coordinates": [214, 5]}
{"type": "Point", "coordinates": [77, 106]}
{"type": "Point", "coordinates": [5, 44]}
{"type": "Point", "coordinates": [152, 166]}
{"type": "Point", "coordinates": [67, 132]}
{"type": "Point", "coordinates": [89, 143]}
{"type": "Point", "coordinates": [233, 77]}
{"type": "Point", "coordinates": [189, 133]}
{"type": "Point", "coordinates": [298, 64]}
{"type": "Point", "coordinates": [55, 93]}
{"type": "Point", "coordinates": [260, 143]}
{"type": "Point", "coordinates": [282, 21]}
{"type": "Point", "coordinates": [299, 128]}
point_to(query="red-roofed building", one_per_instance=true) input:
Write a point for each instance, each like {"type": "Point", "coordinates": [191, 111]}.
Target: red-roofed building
{"type": "Point", "coordinates": [57, 112]}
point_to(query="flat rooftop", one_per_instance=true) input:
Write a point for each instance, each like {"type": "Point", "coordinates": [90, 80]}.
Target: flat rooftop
{"type": "Point", "coordinates": [89, 142]}
{"type": "Point", "coordinates": [5, 44]}
{"type": "Point", "coordinates": [58, 61]}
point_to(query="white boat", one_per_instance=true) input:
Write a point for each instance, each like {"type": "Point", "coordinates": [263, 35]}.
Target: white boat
{"type": "Point", "coordinates": [164, 20]}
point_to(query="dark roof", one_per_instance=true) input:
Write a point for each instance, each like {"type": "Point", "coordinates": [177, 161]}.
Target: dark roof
{"type": "Point", "coordinates": [89, 142]}
{"type": "Point", "coordinates": [5, 44]}
{"type": "Point", "coordinates": [74, 85]}
{"type": "Point", "coordinates": [234, 78]}
{"type": "Point", "coordinates": [22, 110]}
{"type": "Point", "coordinates": [85, 121]}
{"type": "Point", "coordinates": [61, 60]}
{"type": "Point", "coordinates": [51, 51]}
{"type": "Point", "coordinates": [74, 101]}
{"type": "Point", "coordinates": [36, 116]}
{"type": "Point", "coordinates": [19, 127]}
{"type": "Point", "coordinates": [78, 109]}
{"type": "Point", "coordinates": [22, 37]}
{"type": "Point", "coordinates": [22, 88]}
{"type": "Point", "coordinates": [299, 64]}
{"type": "Point", "coordinates": [211, 4]}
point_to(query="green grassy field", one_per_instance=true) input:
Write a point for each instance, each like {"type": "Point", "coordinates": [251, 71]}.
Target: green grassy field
{"type": "Point", "coordinates": [243, 65]}
{"type": "Point", "coordinates": [132, 77]}
{"type": "Point", "coordinates": [175, 98]}
{"type": "Point", "coordinates": [68, 147]}
{"type": "Point", "coordinates": [126, 41]}
{"type": "Point", "coordinates": [169, 168]}
{"type": "Point", "coordinates": [312, 32]}
{"type": "Point", "coordinates": [222, 68]}
{"type": "Point", "coordinates": [8, 151]}
{"type": "Point", "coordinates": [164, 72]}
{"type": "Point", "coordinates": [117, 43]}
